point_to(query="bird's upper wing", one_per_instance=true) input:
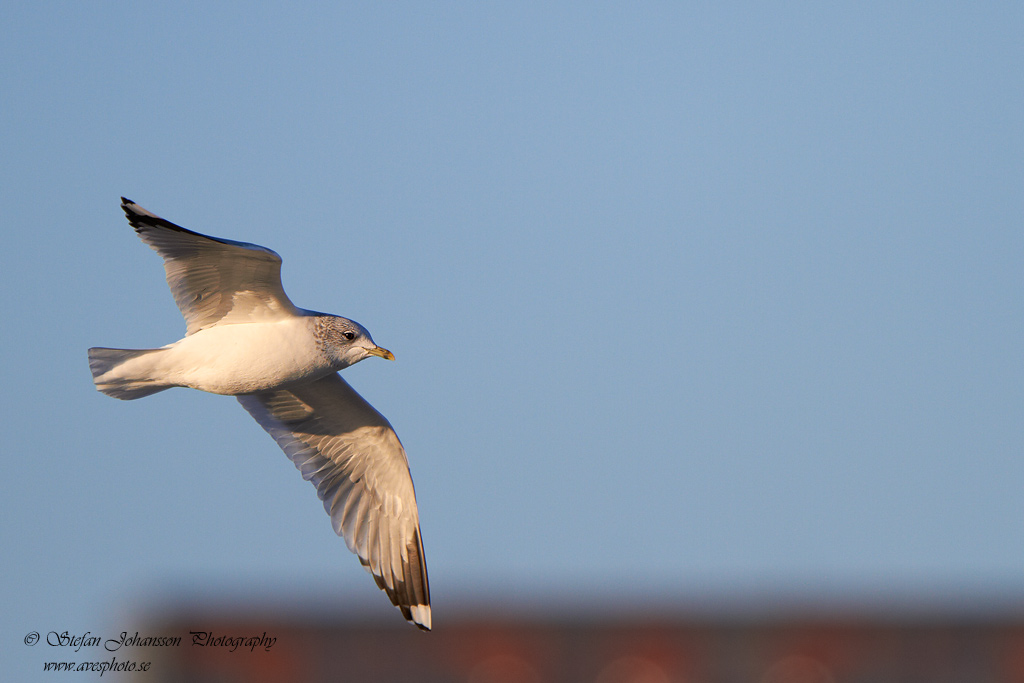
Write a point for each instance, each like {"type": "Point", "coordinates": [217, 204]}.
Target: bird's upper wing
{"type": "Point", "coordinates": [353, 457]}
{"type": "Point", "coordinates": [214, 281]}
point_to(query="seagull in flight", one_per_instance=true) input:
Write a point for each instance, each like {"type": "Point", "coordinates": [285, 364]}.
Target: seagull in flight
{"type": "Point", "coordinates": [245, 338]}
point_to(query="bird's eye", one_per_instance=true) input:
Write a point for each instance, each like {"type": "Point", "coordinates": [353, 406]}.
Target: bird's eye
{"type": "Point", "coordinates": [350, 335]}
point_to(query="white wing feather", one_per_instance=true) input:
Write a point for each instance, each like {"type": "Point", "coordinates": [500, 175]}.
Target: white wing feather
{"type": "Point", "coordinates": [214, 281]}
{"type": "Point", "coordinates": [354, 458]}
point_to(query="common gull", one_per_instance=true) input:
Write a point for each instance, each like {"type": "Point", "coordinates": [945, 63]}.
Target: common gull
{"type": "Point", "coordinates": [245, 338]}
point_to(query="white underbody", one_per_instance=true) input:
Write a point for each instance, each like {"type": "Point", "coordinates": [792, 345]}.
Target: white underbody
{"type": "Point", "coordinates": [232, 359]}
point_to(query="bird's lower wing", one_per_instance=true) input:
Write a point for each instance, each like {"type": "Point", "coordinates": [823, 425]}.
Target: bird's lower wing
{"type": "Point", "coordinates": [354, 458]}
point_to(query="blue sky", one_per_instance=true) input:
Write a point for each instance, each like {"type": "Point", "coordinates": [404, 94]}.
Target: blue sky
{"type": "Point", "coordinates": [686, 298]}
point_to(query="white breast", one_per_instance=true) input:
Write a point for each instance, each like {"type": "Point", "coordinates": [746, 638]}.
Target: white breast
{"type": "Point", "coordinates": [246, 357]}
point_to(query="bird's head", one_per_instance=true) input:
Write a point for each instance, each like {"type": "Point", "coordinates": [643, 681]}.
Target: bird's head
{"type": "Point", "coordinates": [347, 342]}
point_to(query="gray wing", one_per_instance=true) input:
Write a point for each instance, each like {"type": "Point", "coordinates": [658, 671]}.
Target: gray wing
{"type": "Point", "coordinates": [354, 458]}
{"type": "Point", "coordinates": [214, 281]}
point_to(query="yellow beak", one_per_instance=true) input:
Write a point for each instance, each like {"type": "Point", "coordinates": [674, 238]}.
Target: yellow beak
{"type": "Point", "coordinates": [383, 353]}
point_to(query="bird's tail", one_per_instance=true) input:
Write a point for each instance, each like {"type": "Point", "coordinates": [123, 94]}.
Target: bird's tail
{"type": "Point", "coordinates": [118, 373]}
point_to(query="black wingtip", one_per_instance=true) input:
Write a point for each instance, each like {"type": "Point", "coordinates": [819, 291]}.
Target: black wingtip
{"type": "Point", "coordinates": [131, 211]}
{"type": "Point", "coordinates": [139, 217]}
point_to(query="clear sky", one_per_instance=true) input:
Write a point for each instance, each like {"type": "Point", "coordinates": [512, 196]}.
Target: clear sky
{"type": "Point", "coordinates": [686, 298]}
